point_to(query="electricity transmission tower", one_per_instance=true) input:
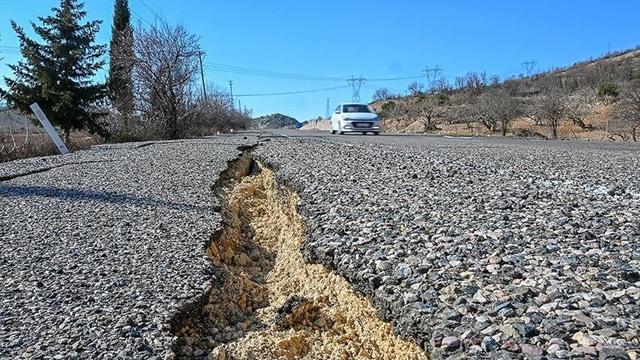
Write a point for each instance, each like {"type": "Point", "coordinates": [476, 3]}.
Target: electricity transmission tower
{"type": "Point", "coordinates": [431, 74]}
{"type": "Point", "coordinates": [529, 66]}
{"type": "Point", "coordinates": [356, 84]}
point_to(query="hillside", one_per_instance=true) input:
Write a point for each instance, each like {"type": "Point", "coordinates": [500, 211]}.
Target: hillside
{"type": "Point", "coordinates": [593, 100]}
{"type": "Point", "coordinates": [275, 121]}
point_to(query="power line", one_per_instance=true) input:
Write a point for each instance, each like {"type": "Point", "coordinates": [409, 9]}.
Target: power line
{"type": "Point", "coordinates": [220, 76]}
{"type": "Point", "coordinates": [141, 18]}
{"type": "Point", "coordinates": [150, 9]}
{"type": "Point", "coordinates": [216, 73]}
{"type": "Point", "coordinates": [293, 92]}
{"type": "Point", "coordinates": [268, 73]}
{"type": "Point", "coordinates": [292, 76]}
{"type": "Point", "coordinates": [394, 79]}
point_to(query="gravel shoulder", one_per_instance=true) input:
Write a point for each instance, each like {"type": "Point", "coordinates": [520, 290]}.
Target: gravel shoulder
{"type": "Point", "coordinates": [480, 248]}
{"type": "Point", "coordinates": [102, 248]}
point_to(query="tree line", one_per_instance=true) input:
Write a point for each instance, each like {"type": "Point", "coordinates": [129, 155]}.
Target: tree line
{"type": "Point", "coordinates": [547, 99]}
{"type": "Point", "coordinates": [152, 90]}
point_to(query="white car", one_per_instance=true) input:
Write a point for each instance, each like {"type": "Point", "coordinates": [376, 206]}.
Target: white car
{"type": "Point", "coordinates": [355, 118]}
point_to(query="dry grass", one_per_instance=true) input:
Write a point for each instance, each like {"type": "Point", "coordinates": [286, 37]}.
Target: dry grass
{"type": "Point", "coordinates": [20, 146]}
{"type": "Point", "coordinates": [522, 127]}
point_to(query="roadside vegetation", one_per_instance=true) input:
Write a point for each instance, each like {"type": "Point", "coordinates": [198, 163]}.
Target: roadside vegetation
{"type": "Point", "coordinates": [153, 90]}
{"type": "Point", "coordinates": [596, 99]}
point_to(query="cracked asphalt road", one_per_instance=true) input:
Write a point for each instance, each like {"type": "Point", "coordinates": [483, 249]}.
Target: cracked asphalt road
{"type": "Point", "coordinates": [478, 248]}
{"type": "Point", "coordinates": [105, 247]}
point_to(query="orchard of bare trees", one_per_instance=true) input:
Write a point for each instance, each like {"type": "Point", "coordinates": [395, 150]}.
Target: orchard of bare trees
{"type": "Point", "coordinates": [565, 98]}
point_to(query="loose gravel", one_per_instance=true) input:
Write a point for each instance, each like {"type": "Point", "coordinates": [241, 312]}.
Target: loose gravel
{"type": "Point", "coordinates": [472, 248]}
{"type": "Point", "coordinates": [102, 250]}
{"type": "Point", "coordinates": [478, 248]}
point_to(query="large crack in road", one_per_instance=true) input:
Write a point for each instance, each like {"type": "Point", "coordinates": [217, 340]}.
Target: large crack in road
{"type": "Point", "coordinates": [269, 303]}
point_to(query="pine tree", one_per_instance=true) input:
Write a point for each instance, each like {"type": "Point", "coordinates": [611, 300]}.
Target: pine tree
{"type": "Point", "coordinates": [121, 61]}
{"type": "Point", "coordinates": [58, 73]}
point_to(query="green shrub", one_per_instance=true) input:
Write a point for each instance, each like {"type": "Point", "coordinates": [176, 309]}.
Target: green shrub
{"type": "Point", "coordinates": [609, 89]}
{"type": "Point", "coordinates": [442, 98]}
{"type": "Point", "coordinates": [387, 108]}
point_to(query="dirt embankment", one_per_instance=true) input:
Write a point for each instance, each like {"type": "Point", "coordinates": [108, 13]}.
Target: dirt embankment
{"type": "Point", "coordinates": [270, 303]}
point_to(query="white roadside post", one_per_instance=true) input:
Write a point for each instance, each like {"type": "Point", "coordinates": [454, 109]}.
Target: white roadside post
{"type": "Point", "coordinates": [49, 128]}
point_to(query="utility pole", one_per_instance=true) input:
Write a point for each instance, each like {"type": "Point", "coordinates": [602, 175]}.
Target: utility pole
{"type": "Point", "coordinates": [231, 91]}
{"type": "Point", "coordinates": [327, 112]}
{"type": "Point", "coordinates": [356, 84]}
{"type": "Point", "coordinates": [204, 87]}
{"type": "Point", "coordinates": [431, 74]}
{"type": "Point", "coordinates": [529, 65]}
{"type": "Point", "coordinates": [239, 105]}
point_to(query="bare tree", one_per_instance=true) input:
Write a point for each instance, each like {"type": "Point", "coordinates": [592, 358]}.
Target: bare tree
{"type": "Point", "coordinates": [216, 113]}
{"type": "Point", "coordinates": [578, 107]}
{"type": "Point", "coordinates": [627, 111]}
{"type": "Point", "coordinates": [473, 82]}
{"type": "Point", "coordinates": [498, 107]}
{"type": "Point", "coordinates": [441, 85]}
{"type": "Point", "coordinates": [415, 88]}
{"type": "Point", "coordinates": [551, 109]}
{"type": "Point", "coordinates": [382, 94]}
{"type": "Point", "coordinates": [165, 72]}
{"type": "Point", "coordinates": [428, 109]}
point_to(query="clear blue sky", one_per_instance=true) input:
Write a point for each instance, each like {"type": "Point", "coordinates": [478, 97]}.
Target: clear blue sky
{"type": "Point", "coordinates": [378, 39]}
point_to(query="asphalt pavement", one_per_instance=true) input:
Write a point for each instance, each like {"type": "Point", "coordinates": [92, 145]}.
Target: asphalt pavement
{"type": "Point", "coordinates": [102, 249]}
{"type": "Point", "coordinates": [471, 247]}
{"type": "Point", "coordinates": [478, 247]}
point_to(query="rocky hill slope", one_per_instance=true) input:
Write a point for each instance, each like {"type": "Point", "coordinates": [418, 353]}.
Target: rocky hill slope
{"type": "Point", "coordinates": [275, 121]}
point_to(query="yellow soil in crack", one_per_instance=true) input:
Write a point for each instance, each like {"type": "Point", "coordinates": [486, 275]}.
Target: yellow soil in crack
{"type": "Point", "coordinates": [338, 324]}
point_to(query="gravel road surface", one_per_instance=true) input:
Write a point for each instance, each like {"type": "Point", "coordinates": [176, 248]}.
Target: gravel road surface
{"type": "Point", "coordinates": [478, 248]}
{"type": "Point", "coordinates": [472, 248]}
{"type": "Point", "coordinates": [102, 248]}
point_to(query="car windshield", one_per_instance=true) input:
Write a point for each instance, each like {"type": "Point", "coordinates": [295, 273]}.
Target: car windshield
{"type": "Point", "coordinates": [355, 108]}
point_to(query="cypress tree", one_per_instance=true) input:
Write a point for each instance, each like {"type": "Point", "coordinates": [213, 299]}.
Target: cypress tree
{"type": "Point", "coordinates": [122, 60]}
{"type": "Point", "coordinates": [59, 73]}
